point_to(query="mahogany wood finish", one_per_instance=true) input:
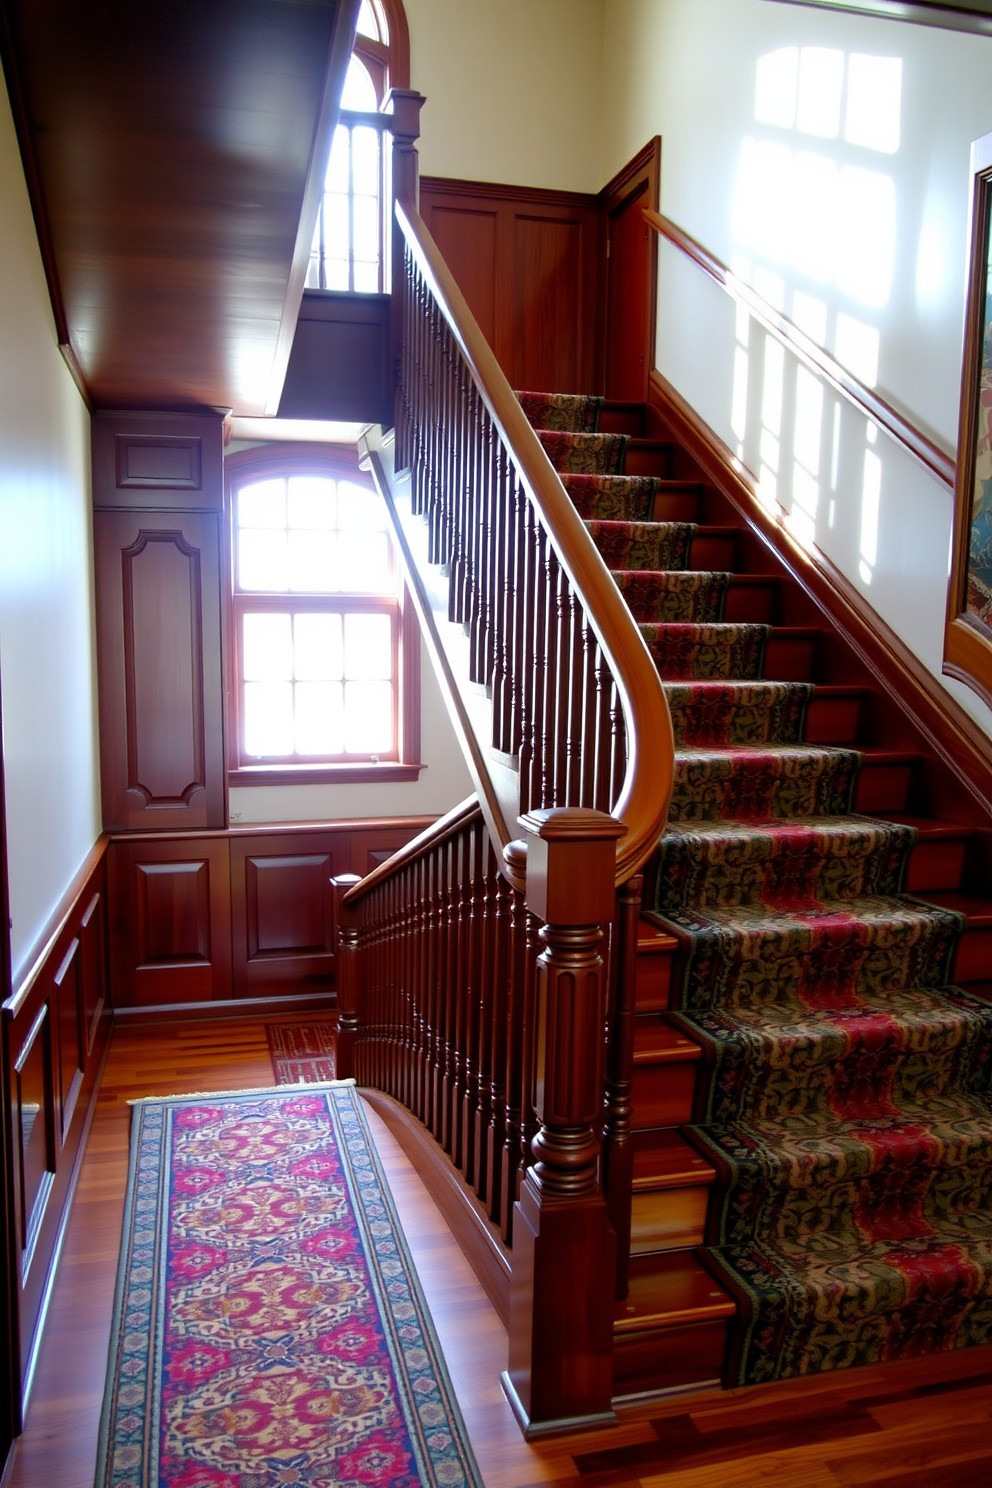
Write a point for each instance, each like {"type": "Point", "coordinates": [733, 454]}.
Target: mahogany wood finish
{"type": "Point", "coordinates": [55, 1027]}
{"type": "Point", "coordinates": [574, 691]}
{"type": "Point", "coordinates": [158, 494]}
{"type": "Point", "coordinates": [561, 1354]}
{"type": "Point", "coordinates": [630, 275]}
{"type": "Point", "coordinates": [176, 258]}
{"type": "Point", "coordinates": [918, 1424]}
{"type": "Point", "coordinates": [245, 913]}
{"type": "Point", "coordinates": [340, 365]}
{"type": "Point", "coordinates": [526, 261]}
{"type": "Point", "coordinates": [936, 460]}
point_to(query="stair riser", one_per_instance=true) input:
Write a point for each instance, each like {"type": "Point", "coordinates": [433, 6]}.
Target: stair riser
{"type": "Point", "coordinates": [713, 554]}
{"type": "Point", "coordinates": [663, 1094]}
{"type": "Point", "coordinates": [788, 660]}
{"type": "Point", "coordinates": [675, 506]}
{"type": "Point", "coordinates": [831, 720]}
{"type": "Point", "coordinates": [882, 787]}
{"type": "Point", "coordinates": [935, 865]}
{"type": "Point", "coordinates": [974, 958]}
{"type": "Point", "coordinates": [649, 457]}
{"type": "Point", "coordinates": [668, 1220]}
{"type": "Point", "coordinates": [753, 602]}
{"type": "Point", "coordinates": [669, 1358]}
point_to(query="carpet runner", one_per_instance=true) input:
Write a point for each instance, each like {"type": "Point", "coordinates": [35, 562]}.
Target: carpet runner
{"type": "Point", "coordinates": [302, 1052]}
{"type": "Point", "coordinates": [269, 1330]}
{"type": "Point", "coordinates": [845, 1096]}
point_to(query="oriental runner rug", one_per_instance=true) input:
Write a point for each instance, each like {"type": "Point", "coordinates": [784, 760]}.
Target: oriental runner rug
{"type": "Point", "coordinates": [302, 1052]}
{"type": "Point", "coordinates": [845, 1094]}
{"type": "Point", "coordinates": [269, 1330]}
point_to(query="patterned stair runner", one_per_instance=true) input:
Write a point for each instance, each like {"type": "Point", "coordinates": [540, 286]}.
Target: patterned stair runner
{"type": "Point", "coordinates": [844, 1098]}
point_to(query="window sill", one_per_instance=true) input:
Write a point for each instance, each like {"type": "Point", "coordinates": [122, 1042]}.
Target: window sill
{"type": "Point", "coordinates": [389, 773]}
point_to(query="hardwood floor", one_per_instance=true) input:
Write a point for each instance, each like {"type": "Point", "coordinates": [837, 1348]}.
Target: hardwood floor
{"type": "Point", "coordinates": [921, 1424]}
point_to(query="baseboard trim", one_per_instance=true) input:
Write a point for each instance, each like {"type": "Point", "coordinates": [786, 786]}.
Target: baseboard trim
{"type": "Point", "coordinates": [949, 731]}
{"type": "Point", "coordinates": [229, 1008]}
{"type": "Point", "coordinates": [477, 1237]}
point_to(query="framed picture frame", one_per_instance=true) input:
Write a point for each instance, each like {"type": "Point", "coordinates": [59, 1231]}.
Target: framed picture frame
{"type": "Point", "coordinates": [968, 633]}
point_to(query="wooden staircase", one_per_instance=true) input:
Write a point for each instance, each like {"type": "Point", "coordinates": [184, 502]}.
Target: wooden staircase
{"type": "Point", "coordinates": [670, 1330]}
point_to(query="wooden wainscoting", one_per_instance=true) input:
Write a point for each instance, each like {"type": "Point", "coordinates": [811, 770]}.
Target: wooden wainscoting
{"type": "Point", "coordinates": [526, 262]}
{"type": "Point", "coordinates": [55, 1029]}
{"type": "Point", "coordinates": [209, 917]}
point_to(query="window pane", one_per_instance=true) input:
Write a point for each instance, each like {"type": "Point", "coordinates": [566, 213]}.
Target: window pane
{"type": "Point", "coordinates": [365, 160]}
{"type": "Point", "coordinates": [363, 563]}
{"type": "Point", "coordinates": [268, 718]}
{"type": "Point", "coordinates": [319, 718]}
{"type": "Point", "coordinates": [368, 646]}
{"type": "Point", "coordinates": [359, 90]}
{"type": "Point", "coordinates": [336, 273]}
{"type": "Point", "coordinates": [262, 504]}
{"type": "Point", "coordinates": [358, 507]}
{"type": "Point", "coordinates": [311, 501]}
{"type": "Point", "coordinates": [366, 21]}
{"type": "Point", "coordinates": [318, 647]}
{"type": "Point", "coordinates": [267, 648]}
{"type": "Point", "coordinates": [368, 727]}
{"type": "Point", "coordinates": [367, 278]}
{"type": "Point", "coordinates": [337, 167]}
{"type": "Point", "coordinates": [263, 560]}
{"type": "Point", "coordinates": [366, 209]}
{"type": "Point", "coordinates": [312, 562]}
{"type": "Point", "coordinates": [336, 230]}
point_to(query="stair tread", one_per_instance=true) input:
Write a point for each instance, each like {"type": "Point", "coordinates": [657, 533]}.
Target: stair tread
{"type": "Point", "coordinates": [929, 827]}
{"type": "Point", "coordinates": [664, 1159]}
{"type": "Point", "coordinates": [657, 1042]}
{"type": "Point", "coordinates": [651, 939]}
{"type": "Point", "coordinates": [669, 1288]}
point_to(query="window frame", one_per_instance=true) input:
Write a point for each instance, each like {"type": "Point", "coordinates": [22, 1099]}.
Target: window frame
{"type": "Point", "coordinates": [341, 463]}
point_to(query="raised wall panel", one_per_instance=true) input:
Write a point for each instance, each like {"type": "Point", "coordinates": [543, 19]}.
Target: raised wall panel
{"type": "Point", "coordinates": [548, 288]}
{"type": "Point", "coordinates": [282, 911]}
{"type": "Point", "coordinates": [158, 460]}
{"type": "Point", "coordinates": [68, 981]}
{"type": "Point", "coordinates": [94, 967]}
{"type": "Point", "coordinates": [171, 918]}
{"type": "Point", "coordinates": [159, 639]}
{"type": "Point", "coordinates": [526, 262]}
{"type": "Point", "coordinates": [339, 367]}
{"type": "Point", "coordinates": [467, 239]}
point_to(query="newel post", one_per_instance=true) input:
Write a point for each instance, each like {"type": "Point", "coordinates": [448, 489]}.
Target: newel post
{"type": "Point", "coordinates": [346, 963]}
{"type": "Point", "coordinates": [404, 106]}
{"type": "Point", "coordinates": [562, 1287]}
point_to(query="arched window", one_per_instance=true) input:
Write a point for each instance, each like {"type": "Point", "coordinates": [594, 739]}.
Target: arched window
{"type": "Point", "coordinates": [324, 654]}
{"type": "Point", "coordinates": [348, 246]}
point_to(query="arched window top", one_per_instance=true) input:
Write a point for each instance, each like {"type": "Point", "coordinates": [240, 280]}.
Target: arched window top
{"type": "Point", "coordinates": [359, 89]}
{"type": "Point", "coordinates": [372, 22]}
{"type": "Point", "coordinates": [383, 44]}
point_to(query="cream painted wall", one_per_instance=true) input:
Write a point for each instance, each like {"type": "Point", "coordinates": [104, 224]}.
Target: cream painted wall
{"type": "Point", "coordinates": [687, 70]}
{"type": "Point", "coordinates": [513, 87]}
{"type": "Point", "coordinates": [47, 669]}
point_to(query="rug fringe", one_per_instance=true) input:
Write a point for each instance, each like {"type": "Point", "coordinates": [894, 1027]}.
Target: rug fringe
{"type": "Point", "coordinates": [144, 1100]}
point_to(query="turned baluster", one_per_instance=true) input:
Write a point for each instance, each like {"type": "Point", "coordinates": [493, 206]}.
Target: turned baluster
{"type": "Point", "coordinates": [346, 958]}
{"type": "Point", "coordinates": [561, 1314]}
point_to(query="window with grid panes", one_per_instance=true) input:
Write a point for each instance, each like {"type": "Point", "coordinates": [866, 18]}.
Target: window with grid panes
{"type": "Point", "coordinates": [320, 660]}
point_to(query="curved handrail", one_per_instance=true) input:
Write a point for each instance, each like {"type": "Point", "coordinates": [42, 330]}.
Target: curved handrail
{"type": "Point", "coordinates": [938, 461]}
{"type": "Point", "coordinates": [642, 805]}
{"type": "Point", "coordinates": [446, 826]}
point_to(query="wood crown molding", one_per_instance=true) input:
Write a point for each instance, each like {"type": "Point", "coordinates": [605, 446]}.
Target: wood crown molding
{"type": "Point", "coordinates": [496, 191]}
{"type": "Point", "coordinates": [952, 733]}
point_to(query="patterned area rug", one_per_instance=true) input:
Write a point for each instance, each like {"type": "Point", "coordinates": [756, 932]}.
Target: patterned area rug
{"type": "Point", "coordinates": [844, 1098]}
{"type": "Point", "coordinates": [269, 1330]}
{"type": "Point", "coordinates": [302, 1052]}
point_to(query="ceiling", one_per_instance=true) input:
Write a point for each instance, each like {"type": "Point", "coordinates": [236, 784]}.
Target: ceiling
{"type": "Point", "coordinates": [174, 152]}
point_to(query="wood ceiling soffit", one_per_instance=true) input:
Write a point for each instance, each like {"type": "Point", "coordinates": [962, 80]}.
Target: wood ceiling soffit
{"type": "Point", "coordinates": [173, 154]}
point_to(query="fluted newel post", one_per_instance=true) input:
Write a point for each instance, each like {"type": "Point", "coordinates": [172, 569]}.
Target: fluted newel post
{"type": "Point", "coordinates": [562, 1287]}
{"type": "Point", "coordinates": [618, 1139]}
{"type": "Point", "coordinates": [346, 961]}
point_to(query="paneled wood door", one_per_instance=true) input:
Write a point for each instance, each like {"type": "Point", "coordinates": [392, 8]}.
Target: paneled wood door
{"type": "Point", "coordinates": [631, 274]}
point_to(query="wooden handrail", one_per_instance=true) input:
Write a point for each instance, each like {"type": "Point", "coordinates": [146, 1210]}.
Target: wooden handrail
{"type": "Point", "coordinates": [933, 457]}
{"type": "Point", "coordinates": [642, 804]}
{"type": "Point", "coordinates": [445, 827]}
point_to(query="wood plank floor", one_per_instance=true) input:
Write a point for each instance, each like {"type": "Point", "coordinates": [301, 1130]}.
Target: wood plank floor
{"type": "Point", "coordinates": [921, 1424]}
